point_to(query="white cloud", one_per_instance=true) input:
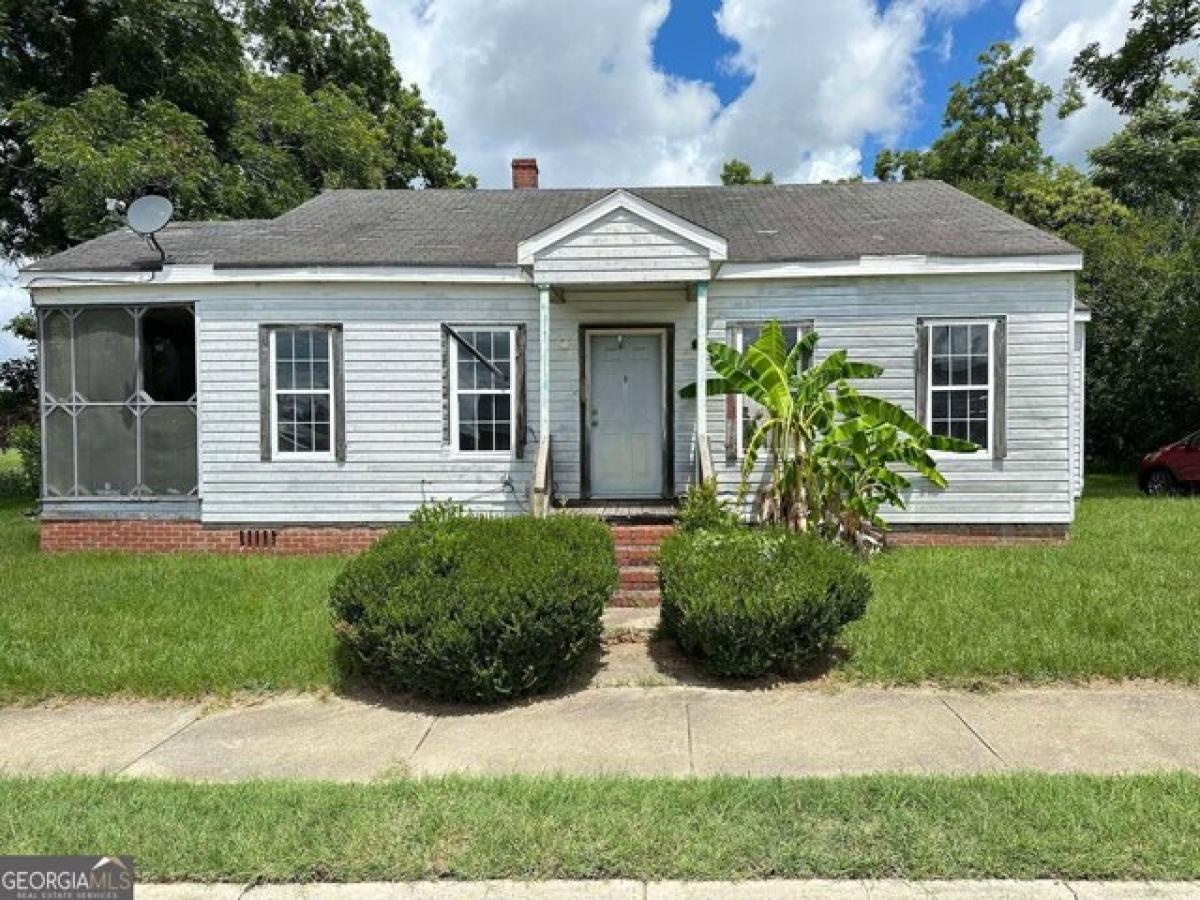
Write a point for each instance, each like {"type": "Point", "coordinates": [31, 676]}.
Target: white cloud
{"type": "Point", "coordinates": [1058, 30]}
{"type": "Point", "coordinates": [575, 84]}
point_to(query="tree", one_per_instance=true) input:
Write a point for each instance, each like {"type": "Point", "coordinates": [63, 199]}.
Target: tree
{"type": "Point", "coordinates": [1130, 77]}
{"type": "Point", "coordinates": [831, 447]}
{"type": "Point", "coordinates": [1153, 163]}
{"type": "Point", "coordinates": [181, 51]}
{"type": "Point", "coordinates": [288, 141]}
{"type": "Point", "coordinates": [992, 126]}
{"type": "Point", "coordinates": [735, 171]}
{"type": "Point", "coordinates": [1141, 279]}
{"type": "Point", "coordinates": [19, 381]}
{"type": "Point", "coordinates": [187, 84]}
{"type": "Point", "coordinates": [331, 44]}
{"type": "Point", "coordinates": [1062, 200]}
{"type": "Point", "coordinates": [101, 145]}
{"type": "Point", "coordinates": [1141, 276]}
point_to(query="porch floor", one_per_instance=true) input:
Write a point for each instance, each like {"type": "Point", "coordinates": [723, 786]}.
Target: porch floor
{"type": "Point", "coordinates": [633, 511]}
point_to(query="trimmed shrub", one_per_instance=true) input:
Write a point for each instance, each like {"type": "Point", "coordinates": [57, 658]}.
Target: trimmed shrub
{"type": "Point", "coordinates": [477, 610]}
{"type": "Point", "coordinates": [704, 509]}
{"type": "Point", "coordinates": [748, 601]}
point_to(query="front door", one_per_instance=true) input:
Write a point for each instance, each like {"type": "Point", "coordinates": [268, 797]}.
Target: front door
{"type": "Point", "coordinates": [625, 413]}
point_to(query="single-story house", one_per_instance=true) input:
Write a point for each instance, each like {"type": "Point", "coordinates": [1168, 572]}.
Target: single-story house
{"type": "Point", "coordinates": [303, 381]}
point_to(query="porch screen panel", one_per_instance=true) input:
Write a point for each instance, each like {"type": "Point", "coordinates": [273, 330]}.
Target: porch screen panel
{"type": "Point", "coordinates": [119, 401]}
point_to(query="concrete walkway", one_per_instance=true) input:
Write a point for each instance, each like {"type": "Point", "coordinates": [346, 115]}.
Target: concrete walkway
{"type": "Point", "coordinates": [684, 890]}
{"type": "Point", "coordinates": [675, 730]}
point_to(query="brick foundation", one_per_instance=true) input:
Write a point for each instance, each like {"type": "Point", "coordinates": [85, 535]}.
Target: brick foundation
{"type": "Point", "coordinates": [637, 545]}
{"type": "Point", "coordinates": [160, 536]}
{"type": "Point", "coordinates": [975, 535]}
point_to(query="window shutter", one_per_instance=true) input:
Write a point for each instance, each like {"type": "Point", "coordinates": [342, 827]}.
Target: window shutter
{"type": "Point", "coordinates": [339, 394]}
{"type": "Point", "coordinates": [731, 403]}
{"type": "Point", "coordinates": [264, 392]}
{"type": "Point", "coordinates": [445, 386]}
{"type": "Point", "coordinates": [1000, 391]}
{"type": "Point", "coordinates": [521, 417]}
{"type": "Point", "coordinates": [921, 368]}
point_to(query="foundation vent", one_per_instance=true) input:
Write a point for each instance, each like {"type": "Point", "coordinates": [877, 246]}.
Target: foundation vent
{"type": "Point", "coordinates": [257, 538]}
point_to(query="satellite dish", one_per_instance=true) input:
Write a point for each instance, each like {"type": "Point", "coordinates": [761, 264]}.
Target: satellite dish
{"type": "Point", "coordinates": [149, 214]}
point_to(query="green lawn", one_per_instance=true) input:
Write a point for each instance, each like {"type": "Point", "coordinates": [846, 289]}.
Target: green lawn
{"type": "Point", "coordinates": [92, 624]}
{"type": "Point", "coordinates": [1118, 601]}
{"type": "Point", "coordinates": [1019, 826]}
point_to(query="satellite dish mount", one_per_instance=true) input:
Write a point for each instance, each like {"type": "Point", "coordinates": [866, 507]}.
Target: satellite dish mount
{"type": "Point", "coordinates": [149, 215]}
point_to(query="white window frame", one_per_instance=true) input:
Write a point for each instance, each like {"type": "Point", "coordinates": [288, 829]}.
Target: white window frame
{"type": "Point", "coordinates": [930, 324]}
{"type": "Point", "coordinates": [510, 453]}
{"type": "Point", "coordinates": [278, 452]}
{"type": "Point", "coordinates": [739, 342]}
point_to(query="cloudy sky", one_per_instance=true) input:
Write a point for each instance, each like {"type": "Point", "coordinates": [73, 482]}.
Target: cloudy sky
{"type": "Point", "coordinates": [638, 92]}
{"type": "Point", "coordinates": [662, 91]}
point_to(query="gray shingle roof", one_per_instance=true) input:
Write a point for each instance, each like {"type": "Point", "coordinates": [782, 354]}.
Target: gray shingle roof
{"type": "Point", "coordinates": [779, 223]}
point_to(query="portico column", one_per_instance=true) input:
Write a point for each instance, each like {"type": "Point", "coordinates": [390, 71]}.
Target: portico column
{"type": "Point", "coordinates": [543, 361]}
{"type": "Point", "coordinates": [701, 357]}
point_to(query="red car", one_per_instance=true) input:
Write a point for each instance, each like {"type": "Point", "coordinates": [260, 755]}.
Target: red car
{"type": "Point", "coordinates": [1171, 468]}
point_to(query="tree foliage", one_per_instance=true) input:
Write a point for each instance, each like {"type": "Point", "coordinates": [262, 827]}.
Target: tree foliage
{"type": "Point", "coordinates": [1153, 163]}
{"type": "Point", "coordinates": [992, 126]}
{"type": "Point", "coordinates": [735, 171]}
{"type": "Point", "coordinates": [18, 382]}
{"type": "Point", "coordinates": [1130, 77]}
{"type": "Point", "coordinates": [232, 107]}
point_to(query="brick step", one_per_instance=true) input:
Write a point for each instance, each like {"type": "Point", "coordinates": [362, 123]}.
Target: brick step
{"type": "Point", "coordinates": [637, 555]}
{"type": "Point", "coordinates": [637, 578]}
{"type": "Point", "coordinates": [640, 535]}
{"type": "Point", "coordinates": [638, 598]}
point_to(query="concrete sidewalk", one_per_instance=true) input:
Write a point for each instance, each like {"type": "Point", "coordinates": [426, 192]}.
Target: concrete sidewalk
{"type": "Point", "coordinates": [676, 731]}
{"type": "Point", "coordinates": [683, 890]}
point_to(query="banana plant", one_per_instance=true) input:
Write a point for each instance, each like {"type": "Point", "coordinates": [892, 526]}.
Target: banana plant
{"type": "Point", "coordinates": [831, 447]}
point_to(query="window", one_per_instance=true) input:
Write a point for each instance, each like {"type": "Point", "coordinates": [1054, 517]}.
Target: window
{"type": "Point", "coordinates": [961, 368]}
{"type": "Point", "coordinates": [119, 401]}
{"type": "Point", "coordinates": [302, 390]}
{"type": "Point", "coordinates": [482, 365]}
{"type": "Point", "coordinates": [746, 413]}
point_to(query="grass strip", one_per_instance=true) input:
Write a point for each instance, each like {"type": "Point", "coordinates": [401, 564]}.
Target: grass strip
{"type": "Point", "coordinates": [1011, 826]}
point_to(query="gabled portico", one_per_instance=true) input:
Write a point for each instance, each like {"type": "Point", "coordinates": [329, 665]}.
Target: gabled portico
{"type": "Point", "coordinates": [622, 244]}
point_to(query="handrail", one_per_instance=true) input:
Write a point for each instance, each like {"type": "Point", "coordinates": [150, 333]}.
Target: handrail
{"type": "Point", "coordinates": [543, 479]}
{"type": "Point", "coordinates": [704, 459]}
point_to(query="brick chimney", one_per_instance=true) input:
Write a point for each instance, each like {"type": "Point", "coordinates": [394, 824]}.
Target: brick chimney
{"type": "Point", "coordinates": [524, 172]}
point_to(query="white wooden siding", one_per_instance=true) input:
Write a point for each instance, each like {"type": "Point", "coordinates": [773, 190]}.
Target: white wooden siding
{"type": "Point", "coordinates": [621, 247]}
{"type": "Point", "coordinates": [393, 386]}
{"type": "Point", "coordinates": [875, 319]}
{"type": "Point", "coordinates": [395, 456]}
